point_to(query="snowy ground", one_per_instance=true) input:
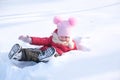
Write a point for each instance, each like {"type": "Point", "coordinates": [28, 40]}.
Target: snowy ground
{"type": "Point", "coordinates": [97, 19]}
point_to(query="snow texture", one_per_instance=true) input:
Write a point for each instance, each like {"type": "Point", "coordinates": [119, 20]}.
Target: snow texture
{"type": "Point", "coordinates": [98, 25]}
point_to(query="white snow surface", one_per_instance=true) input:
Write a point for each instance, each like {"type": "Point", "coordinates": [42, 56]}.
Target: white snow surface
{"type": "Point", "coordinates": [98, 23]}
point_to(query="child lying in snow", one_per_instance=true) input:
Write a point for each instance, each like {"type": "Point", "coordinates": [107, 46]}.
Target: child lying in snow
{"type": "Point", "coordinates": [55, 45]}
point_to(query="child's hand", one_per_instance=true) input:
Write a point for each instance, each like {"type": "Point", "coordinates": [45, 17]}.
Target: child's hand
{"type": "Point", "coordinates": [83, 48]}
{"type": "Point", "coordinates": [26, 39]}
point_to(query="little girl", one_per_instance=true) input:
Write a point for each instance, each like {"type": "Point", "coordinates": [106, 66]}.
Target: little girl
{"type": "Point", "coordinates": [56, 45]}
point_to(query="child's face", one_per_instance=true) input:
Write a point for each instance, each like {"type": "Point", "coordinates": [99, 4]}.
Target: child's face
{"type": "Point", "coordinates": [64, 38]}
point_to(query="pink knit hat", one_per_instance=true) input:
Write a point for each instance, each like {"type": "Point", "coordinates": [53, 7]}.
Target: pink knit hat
{"type": "Point", "coordinates": [64, 26]}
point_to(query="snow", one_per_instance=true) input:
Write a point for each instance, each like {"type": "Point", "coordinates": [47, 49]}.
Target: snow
{"type": "Point", "coordinates": [98, 24]}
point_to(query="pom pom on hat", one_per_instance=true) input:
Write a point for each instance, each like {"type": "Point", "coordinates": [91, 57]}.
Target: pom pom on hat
{"type": "Point", "coordinates": [64, 26]}
{"type": "Point", "coordinates": [57, 19]}
{"type": "Point", "coordinates": [72, 21]}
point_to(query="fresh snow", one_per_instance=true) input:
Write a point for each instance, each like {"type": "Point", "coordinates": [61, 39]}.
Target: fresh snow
{"type": "Point", "coordinates": [98, 25]}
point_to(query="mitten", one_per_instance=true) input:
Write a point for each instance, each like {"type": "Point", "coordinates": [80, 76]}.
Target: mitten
{"type": "Point", "coordinates": [79, 46]}
{"type": "Point", "coordinates": [83, 48]}
{"type": "Point", "coordinates": [26, 39]}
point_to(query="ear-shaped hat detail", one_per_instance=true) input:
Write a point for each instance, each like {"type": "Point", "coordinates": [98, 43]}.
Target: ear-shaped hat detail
{"type": "Point", "coordinates": [57, 20]}
{"type": "Point", "coordinates": [72, 21]}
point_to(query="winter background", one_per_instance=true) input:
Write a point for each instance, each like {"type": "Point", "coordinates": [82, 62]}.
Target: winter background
{"type": "Point", "coordinates": [98, 21]}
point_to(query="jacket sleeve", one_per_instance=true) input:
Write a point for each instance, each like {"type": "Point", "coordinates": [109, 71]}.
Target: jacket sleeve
{"type": "Point", "coordinates": [41, 41]}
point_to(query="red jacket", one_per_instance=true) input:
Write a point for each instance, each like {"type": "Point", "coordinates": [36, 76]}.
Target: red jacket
{"type": "Point", "coordinates": [48, 42]}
